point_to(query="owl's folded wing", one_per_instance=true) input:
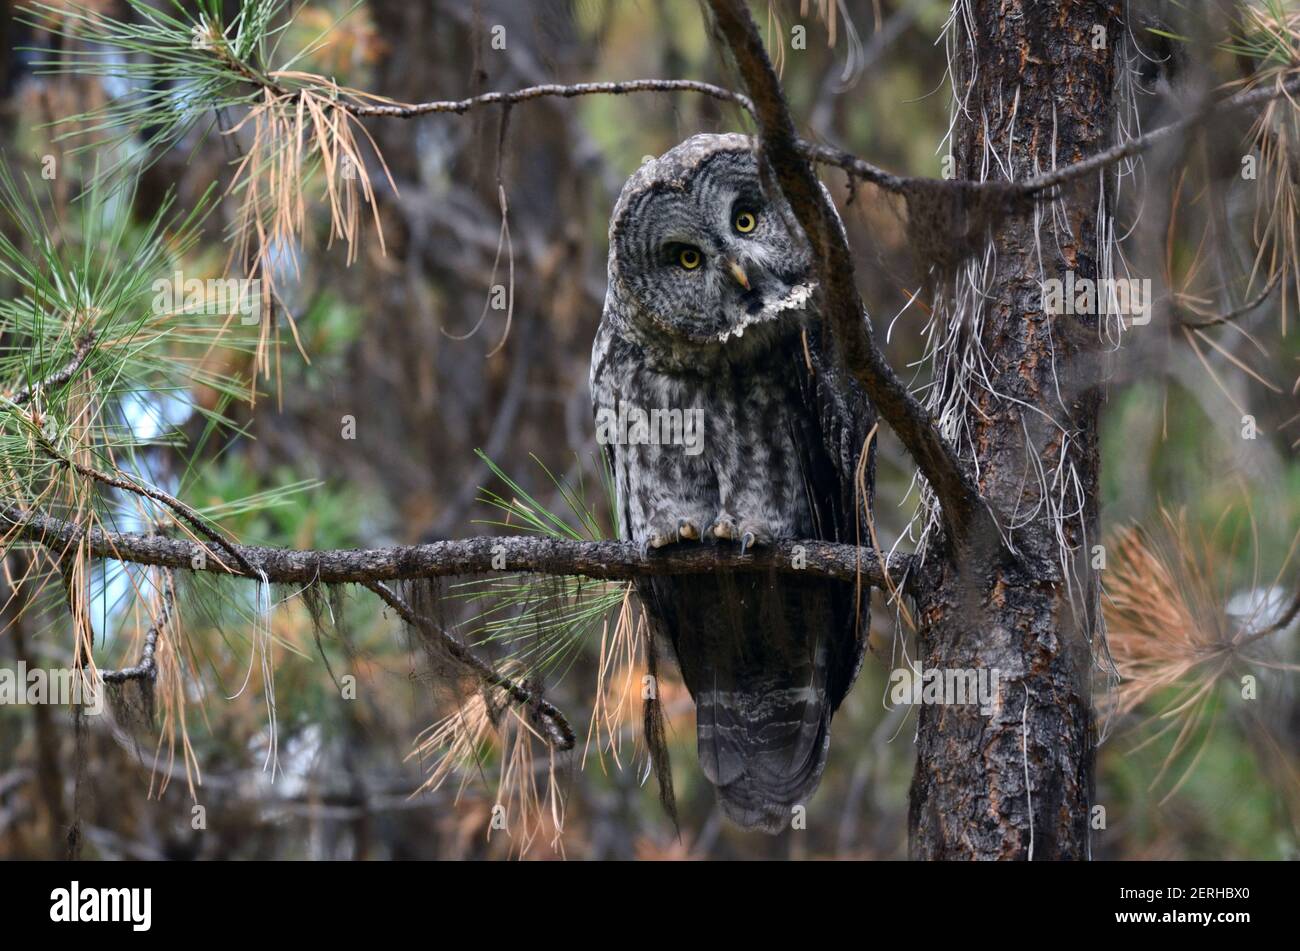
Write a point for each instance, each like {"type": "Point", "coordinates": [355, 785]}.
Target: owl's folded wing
{"type": "Point", "coordinates": [840, 475]}
{"type": "Point", "coordinates": [841, 418]}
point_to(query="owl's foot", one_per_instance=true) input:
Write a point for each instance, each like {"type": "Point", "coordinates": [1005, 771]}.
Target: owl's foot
{"type": "Point", "coordinates": [686, 530]}
{"type": "Point", "coordinates": [746, 532]}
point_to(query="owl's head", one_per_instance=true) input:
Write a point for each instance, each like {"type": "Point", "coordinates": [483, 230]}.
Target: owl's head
{"type": "Point", "coordinates": [700, 253]}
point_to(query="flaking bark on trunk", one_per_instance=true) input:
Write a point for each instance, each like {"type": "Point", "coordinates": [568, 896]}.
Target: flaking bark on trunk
{"type": "Point", "coordinates": [1017, 784]}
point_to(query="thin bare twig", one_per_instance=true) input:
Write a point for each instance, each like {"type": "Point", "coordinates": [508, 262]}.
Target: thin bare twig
{"type": "Point", "coordinates": [544, 713]}
{"type": "Point", "coordinates": [60, 376]}
{"type": "Point", "coordinates": [1245, 100]}
{"type": "Point", "coordinates": [1233, 314]}
{"type": "Point", "coordinates": [548, 90]}
{"type": "Point", "coordinates": [147, 668]}
{"type": "Point", "coordinates": [827, 155]}
{"type": "Point", "coordinates": [195, 520]}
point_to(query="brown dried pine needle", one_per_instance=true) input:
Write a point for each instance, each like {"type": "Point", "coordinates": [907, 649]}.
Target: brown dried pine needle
{"type": "Point", "coordinates": [1169, 630]}
{"type": "Point", "coordinates": [458, 744]}
{"type": "Point", "coordinates": [297, 129]}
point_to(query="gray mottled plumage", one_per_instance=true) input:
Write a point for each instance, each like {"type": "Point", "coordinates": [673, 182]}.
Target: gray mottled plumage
{"type": "Point", "coordinates": [767, 657]}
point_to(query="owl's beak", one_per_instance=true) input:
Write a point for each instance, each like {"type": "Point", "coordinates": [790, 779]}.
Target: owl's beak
{"type": "Point", "coordinates": [738, 273]}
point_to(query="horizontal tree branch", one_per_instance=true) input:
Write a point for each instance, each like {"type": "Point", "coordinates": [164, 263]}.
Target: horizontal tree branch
{"type": "Point", "coordinates": [371, 567]}
{"type": "Point", "coordinates": [607, 560]}
{"type": "Point", "coordinates": [823, 154]}
{"type": "Point", "coordinates": [858, 167]}
{"type": "Point", "coordinates": [1242, 101]}
{"type": "Point", "coordinates": [399, 110]}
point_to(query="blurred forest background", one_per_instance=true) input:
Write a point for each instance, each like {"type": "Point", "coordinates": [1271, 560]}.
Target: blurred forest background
{"type": "Point", "coordinates": [400, 340]}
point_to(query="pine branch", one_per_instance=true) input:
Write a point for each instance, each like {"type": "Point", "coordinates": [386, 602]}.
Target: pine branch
{"type": "Point", "coordinates": [365, 105]}
{"type": "Point", "coordinates": [609, 560]}
{"type": "Point", "coordinates": [548, 90]}
{"type": "Point", "coordinates": [372, 567]}
{"type": "Point", "coordinates": [225, 69]}
{"type": "Point", "coordinates": [60, 376]}
{"type": "Point", "coordinates": [179, 508]}
{"type": "Point", "coordinates": [1242, 101]}
{"type": "Point", "coordinates": [544, 713]}
{"type": "Point", "coordinates": [147, 667]}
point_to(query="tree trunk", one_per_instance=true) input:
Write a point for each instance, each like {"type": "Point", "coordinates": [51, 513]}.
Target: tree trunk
{"type": "Point", "coordinates": [1017, 783]}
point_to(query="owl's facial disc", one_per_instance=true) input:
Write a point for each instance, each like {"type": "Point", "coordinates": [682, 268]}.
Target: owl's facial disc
{"type": "Point", "coordinates": [712, 256]}
{"type": "Point", "coordinates": [728, 283]}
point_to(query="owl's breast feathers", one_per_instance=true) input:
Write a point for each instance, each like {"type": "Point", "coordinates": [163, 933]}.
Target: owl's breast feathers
{"type": "Point", "coordinates": [768, 657]}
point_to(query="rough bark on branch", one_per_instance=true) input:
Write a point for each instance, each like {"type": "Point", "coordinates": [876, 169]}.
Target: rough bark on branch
{"type": "Point", "coordinates": [609, 560]}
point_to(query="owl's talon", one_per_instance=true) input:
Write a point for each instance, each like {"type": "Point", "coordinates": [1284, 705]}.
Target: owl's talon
{"type": "Point", "coordinates": [659, 540]}
{"type": "Point", "coordinates": [684, 529]}
{"type": "Point", "coordinates": [747, 533]}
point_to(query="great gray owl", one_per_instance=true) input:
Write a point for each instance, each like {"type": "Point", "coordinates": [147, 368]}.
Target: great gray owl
{"type": "Point", "coordinates": [725, 420]}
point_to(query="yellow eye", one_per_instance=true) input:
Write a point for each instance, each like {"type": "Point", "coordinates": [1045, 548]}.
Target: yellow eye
{"type": "Point", "coordinates": [689, 258]}
{"type": "Point", "coordinates": [746, 222]}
